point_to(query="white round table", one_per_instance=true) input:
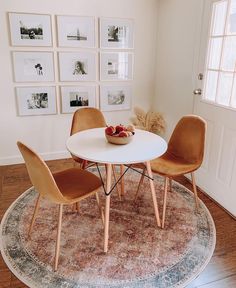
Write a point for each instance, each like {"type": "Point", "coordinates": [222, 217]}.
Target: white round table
{"type": "Point", "coordinates": [92, 145]}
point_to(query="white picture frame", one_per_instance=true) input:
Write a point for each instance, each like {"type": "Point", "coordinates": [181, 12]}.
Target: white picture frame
{"type": "Point", "coordinates": [33, 66]}
{"type": "Point", "coordinates": [36, 101]}
{"type": "Point", "coordinates": [116, 33]}
{"type": "Point", "coordinates": [77, 66]}
{"type": "Point", "coordinates": [115, 97]}
{"type": "Point", "coordinates": [30, 29]}
{"type": "Point", "coordinates": [76, 31]}
{"type": "Point", "coordinates": [76, 97]}
{"type": "Point", "coordinates": [116, 66]}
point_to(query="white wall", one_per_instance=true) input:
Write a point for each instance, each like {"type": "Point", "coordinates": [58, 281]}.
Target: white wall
{"type": "Point", "coordinates": [47, 134]}
{"type": "Point", "coordinates": [176, 40]}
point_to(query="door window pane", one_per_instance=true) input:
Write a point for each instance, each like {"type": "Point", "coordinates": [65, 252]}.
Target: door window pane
{"type": "Point", "coordinates": [215, 52]}
{"type": "Point", "coordinates": [224, 88]}
{"type": "Point", "coordinates": [220, 81]}
{"type": "Point", "coordinates": [229, 54]}
{"type": "Point", "coordinates": [231, 27]}
{"type": "Point", "coordinates": [219, 17]}
{"type": "Point", "coordinates": [211, 85]}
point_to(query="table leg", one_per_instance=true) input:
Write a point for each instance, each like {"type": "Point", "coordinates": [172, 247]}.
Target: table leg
{"type": "Point", "coordinates": [107, 208]}
{"type": "Point", "coordinates": [154, 199]}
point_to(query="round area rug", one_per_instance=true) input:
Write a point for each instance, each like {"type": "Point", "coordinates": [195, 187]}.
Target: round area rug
{"type": "Point", "coordinates": [140, 254]}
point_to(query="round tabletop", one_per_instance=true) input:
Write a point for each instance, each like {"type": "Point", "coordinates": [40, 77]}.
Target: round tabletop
{"type": "Point", "coordinates": [92, 145]}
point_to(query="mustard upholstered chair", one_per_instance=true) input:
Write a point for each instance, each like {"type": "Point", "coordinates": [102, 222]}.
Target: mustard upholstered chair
{"type": "Point", "coordinates": [64, 187]}
{"type": "Point", "coordinates": [88, 118]}
{"type": "Point", "coordinates": [184, 154]}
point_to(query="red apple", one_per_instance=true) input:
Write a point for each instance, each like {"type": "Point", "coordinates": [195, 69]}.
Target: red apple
{"type": "Point", "coordinates": [119, 128]}
{"type": "Point", "coordinates": [123, 134]}
{"type": "Point", "coordinates": [110, 130]}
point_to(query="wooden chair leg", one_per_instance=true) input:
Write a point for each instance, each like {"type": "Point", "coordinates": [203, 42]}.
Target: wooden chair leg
{"type": "Point", "coordinates": [195, 191]}
{"type": "Point", "coordinates": [139, 184]}
{"type": "Point", "coordinates": [34, 215]}
{"type": "Point", "coordinates": [122, 183]}
{"type": "Point", "coordinates": [77, 207]}
{"type": "Point", "coordinates": [84, 164]}
{"type": "Point", "coordinates": [57, 251]}
{"type": "Point", "coordinates": [100, 208]}
{"type": "Point", "coordinates": [117, 187]}
{"type": "Point", "coordinates": [164, 203]}
{"type": "Point", "coordinates": [170, 184]}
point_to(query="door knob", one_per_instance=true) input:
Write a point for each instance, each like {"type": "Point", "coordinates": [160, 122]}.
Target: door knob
{"type": "Point", "coordinates": [197, 91]}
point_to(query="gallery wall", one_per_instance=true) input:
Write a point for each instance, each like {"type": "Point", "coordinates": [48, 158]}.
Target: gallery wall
{"type": "Point", "coordinates": [47, 134]}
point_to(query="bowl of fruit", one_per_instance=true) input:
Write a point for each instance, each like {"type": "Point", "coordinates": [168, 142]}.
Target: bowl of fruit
{"type": "Point", "coordinates": [119, 134]}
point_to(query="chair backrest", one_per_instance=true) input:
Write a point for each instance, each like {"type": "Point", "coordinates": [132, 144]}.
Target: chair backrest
{"type": "Point", "coordinates": [40, 175]}
{"type": "Point", "coordinates": [87, 118]}
{"type": "Point", "coordinates": [188, 139]}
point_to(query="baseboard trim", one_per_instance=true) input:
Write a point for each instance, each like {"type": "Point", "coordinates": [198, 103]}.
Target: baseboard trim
{"type": "Point", "coordinates": [17, 159]}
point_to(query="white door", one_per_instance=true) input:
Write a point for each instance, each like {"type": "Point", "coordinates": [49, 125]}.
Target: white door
{"type": "Point", "coordinates": [217, 102]}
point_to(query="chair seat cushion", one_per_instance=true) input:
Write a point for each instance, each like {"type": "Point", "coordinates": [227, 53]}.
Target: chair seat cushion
{"type": "Point", "coordinates": [76, 184]}
{"type": "Point", "coordinates": [169, 165]}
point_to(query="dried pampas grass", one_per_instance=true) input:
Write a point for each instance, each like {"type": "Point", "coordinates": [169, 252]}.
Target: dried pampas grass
{"type": "Point", "coordinates": [151, 121]}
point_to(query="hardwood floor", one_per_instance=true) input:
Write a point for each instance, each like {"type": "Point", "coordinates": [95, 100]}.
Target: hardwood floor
{"type": "Point", "coordinates": [219, 273]}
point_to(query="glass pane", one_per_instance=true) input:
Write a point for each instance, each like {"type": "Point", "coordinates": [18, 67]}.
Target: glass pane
{"type": "Point", "coordinates": [229, 54]}
{"type": "Point", "coordinates": [233, 98]}
{"type": "Point", "coordinates": [215, 52]}
{"type": "Point", "coordinates": [210, 86]}
{"type": "Point", "coordinates": [224, 88]}
{"type": "Point", "coordinates": [219, 17]}
{"type": "Point", "coordinates": [231, 27]}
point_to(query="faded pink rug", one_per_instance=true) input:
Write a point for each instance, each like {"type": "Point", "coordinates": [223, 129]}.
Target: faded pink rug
{"type": "Point", "coordinates": [139, 255]}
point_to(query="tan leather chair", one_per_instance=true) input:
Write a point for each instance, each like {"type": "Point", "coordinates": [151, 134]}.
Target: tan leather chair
{"type": "Point", "coordinates": [64, 187]}
{"type": "Point", "coordinates": [184, 154]}
{"type": "Point", "coordinates": [83, 119]}
{"type": "Point", "coordinates": [88, 118]}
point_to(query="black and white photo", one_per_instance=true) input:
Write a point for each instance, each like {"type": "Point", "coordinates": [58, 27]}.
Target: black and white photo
{"type": "Point", "coordinates": [76, 31]}
{"type": "Point", "coordinates": [78, 66]}
{"type": "Point", "coordinates": [116, 66]}
{"type": "Point", "coordinates": [116, 33]}
{"type": "Point", "coordinates": [75, 97]}
{"type": "Point", "coordinates": [78, 99]}
{"type": "Point", "coordinates": [115, 97]}
{"type": "Point", "coordinates": [81, 67]}
{"type": "Point", "coordinates": [33, 66]}
{"type": "Point", "coordinates": [30, 29]}
{"type": "Point", "coordinates": [36, 101]}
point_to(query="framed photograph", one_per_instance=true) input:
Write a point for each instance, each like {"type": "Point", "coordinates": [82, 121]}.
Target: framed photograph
{"type": "Point", "coordinates": [116, 33]}
{"type": "Point", "coordinates": [76, 31]}
{"type": "Point", "coordinates": [30, 29]}
{"type": "Point", "coordinates": [115, 97]}
{"type": "Point", "coordinates": [33, 66]}
{"type": "Point", "coordinates": [73, 98]}
{"type": "Point", "coordinates": [116, 66]}
{"type": "Point", "coordinates": [80, 66]}
{"type": "Point", "coordinates": [36, 100]}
